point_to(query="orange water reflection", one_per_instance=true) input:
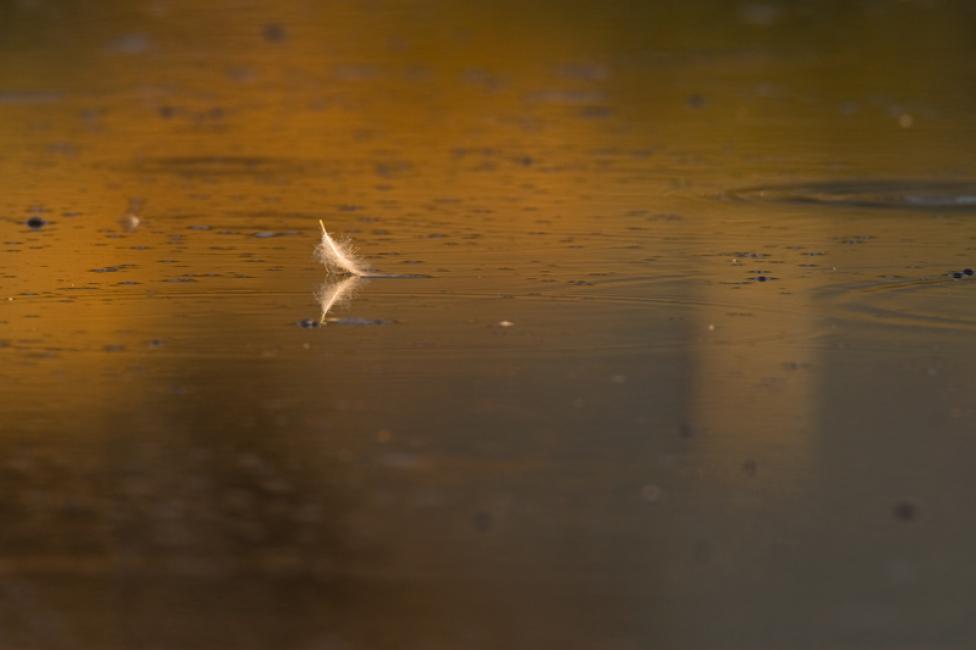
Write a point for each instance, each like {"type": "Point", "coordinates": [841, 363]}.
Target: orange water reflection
{"type": "Point", "coordinates": [659, 449]}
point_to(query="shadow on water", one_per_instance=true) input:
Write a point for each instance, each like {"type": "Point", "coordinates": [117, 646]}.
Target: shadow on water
{"type": "Point", "coordinates": [220, 166]}
{"type": "Point", "coordinates": [188, 514]}
{"type": "Point", "coordinates": [925, 303]}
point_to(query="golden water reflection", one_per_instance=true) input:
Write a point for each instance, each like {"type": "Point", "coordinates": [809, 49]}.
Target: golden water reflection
{"type": "Point", "coordinates": [598, 399]}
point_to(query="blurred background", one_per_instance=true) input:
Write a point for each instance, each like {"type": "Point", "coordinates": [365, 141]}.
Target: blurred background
{"type": "Point", "coordinates": [675, 347]}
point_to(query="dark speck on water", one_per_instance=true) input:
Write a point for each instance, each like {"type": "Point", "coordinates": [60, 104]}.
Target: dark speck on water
{"type": "Point", "coordinates": [483, 521]}
{"type": "Point", "coordinates": [274, 33]}
{"type": "Point", "coordinates": [36, 223]}
{"type": "Point", "coordinates": [308, 323]}
{"type": "Point", "coordinates": [906, 511]}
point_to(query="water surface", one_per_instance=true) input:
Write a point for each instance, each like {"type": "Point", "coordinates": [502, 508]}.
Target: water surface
{"type": "Point", "coordinates": [673, 353]}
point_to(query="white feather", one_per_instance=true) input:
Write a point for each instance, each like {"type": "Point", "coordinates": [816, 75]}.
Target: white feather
{"type": "Point", "coordinates": [337, 258]}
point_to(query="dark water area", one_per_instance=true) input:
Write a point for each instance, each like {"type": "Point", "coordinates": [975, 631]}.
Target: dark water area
{"type": "Point", "coordinates": [667, 342]}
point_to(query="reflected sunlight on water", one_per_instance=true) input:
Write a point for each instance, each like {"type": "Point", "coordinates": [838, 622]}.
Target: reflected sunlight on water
{"type": "Point", "coordinates": [669, 347]}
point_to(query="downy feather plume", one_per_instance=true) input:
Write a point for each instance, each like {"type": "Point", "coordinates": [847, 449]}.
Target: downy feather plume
{"type": "Point", "coordinates": [337, 258]}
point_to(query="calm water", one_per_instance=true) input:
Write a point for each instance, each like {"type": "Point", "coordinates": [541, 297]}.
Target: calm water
{"type": "Point", "coordinates": [680, 362]}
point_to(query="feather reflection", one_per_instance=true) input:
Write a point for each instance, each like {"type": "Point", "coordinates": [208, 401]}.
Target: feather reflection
{"type": "Point", "coordinates": [337, 292]}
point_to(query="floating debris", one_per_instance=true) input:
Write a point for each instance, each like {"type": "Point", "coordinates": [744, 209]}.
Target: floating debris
{"type": "Point", "coordinates": [338, 259]}
{"type": "Point", "coordinates": [36, 223]}
{"type": "Point", "coordinates": [345, 272]}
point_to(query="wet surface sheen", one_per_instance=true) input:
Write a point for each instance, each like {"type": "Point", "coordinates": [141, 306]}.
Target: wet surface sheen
{"type": "Point", "coordinates": [669, 344]}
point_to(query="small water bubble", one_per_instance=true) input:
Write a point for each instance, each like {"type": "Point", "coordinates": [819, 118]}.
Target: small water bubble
{"type": "Point", "coordinates": [651, 493]}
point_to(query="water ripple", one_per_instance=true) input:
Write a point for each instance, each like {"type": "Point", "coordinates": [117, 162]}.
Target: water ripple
{"type": "Point", "coordinates": [890, 194]}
